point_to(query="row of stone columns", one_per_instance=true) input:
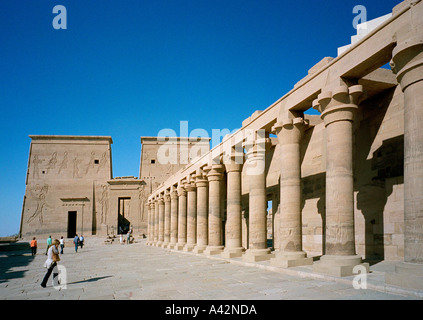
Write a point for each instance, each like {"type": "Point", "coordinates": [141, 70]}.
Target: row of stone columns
{"type": "Point", "coordinates": [199, 225]}
{"type": "Point", "coordinates": [197, 206]}
{"type": "Point", "coordinates": [193, 216]}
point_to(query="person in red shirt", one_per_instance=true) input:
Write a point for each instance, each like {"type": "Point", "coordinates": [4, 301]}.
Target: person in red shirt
{"type": "Point", "coordinates": [33, 245]}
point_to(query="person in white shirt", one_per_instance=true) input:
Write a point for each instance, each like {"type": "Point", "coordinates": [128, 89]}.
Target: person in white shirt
{"type": "Point", "coordinates": [81, 240]}
{"type": "Point", "coordinates": [62, 245]}
{"type": "Point", "coordinates": [51, 262]}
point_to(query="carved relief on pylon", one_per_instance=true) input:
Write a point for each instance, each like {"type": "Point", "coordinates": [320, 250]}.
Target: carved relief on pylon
{"type": "Point", "coordinates": [38, 194]}
{"type": "Point", "coordinates": [104, 202]}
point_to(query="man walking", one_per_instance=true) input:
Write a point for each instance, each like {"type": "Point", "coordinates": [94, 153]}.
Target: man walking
{"type": "Point", "coordinates": [48, 243]}
{"type": "Point", "coordinates": [76, 242]}
{"type": "Point", "coordinates": [33, 245]}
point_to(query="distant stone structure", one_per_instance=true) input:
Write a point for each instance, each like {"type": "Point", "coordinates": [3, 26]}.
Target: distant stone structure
{"type": "Point", "coordinates": [70, 186]}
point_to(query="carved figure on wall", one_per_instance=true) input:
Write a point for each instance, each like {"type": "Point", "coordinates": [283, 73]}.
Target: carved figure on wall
{"type": "Point", "coordinates": [41, 203]}
{"type": "Point", "coordinates": [168, 171]}
{"type": "Point", "coordinates": [104, 203]}
{"type": "Point", "coordinates": [91, 162]}
{"type": "Point", "coordinates": [64, 163]}
{"type": "Point", "coordinates": [146, 157]}
{"type": "Point", "coordinates": [141, 198]}
{"type": "Point", "coordinates": [128, 209]}
{"type": "Point", "coordinates": [76, 163]}
{"type": "Point", "coordinates": [103, 161]}
{"type": "Point", "coordinates": [36, 162]}
{"type": "Point", "coordinates": [52, 162]}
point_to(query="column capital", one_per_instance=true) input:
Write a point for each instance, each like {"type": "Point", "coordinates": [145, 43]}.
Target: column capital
{"type": "Point", "coordinates": [182, 192]}
{"type": "Point", "coordinates": [190, 187]}
{"type": "Point", "coordinates": [214, 172]}
{"type": "Point", "coordinates": [160, 200]}
{"type": "Point", "coordinates": [233, 167]}
{"type": "Point", "coordinates": [167, 197]}
{"type": "Point", "coordinates": [257, 148]}
{"type": "Point", "coordinates": [201, 180]}
{"type": "Point", "coordinates": [407, 61]}
{"type": "Point", "coordinates": [289, 131]}
{"type": "Point", "coordinates": [174, 195]}
{"type": "Point", "coordinates": [340, 104]}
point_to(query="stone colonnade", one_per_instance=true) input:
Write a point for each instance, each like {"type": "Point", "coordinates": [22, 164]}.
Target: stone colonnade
{"type": "Point", "coordinates": [188, 215]}
{"type": "Point", "coordinates": [197, 204]}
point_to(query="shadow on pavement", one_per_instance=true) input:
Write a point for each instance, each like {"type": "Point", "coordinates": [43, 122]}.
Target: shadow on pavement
{"type": "Point", "coordinates": [90, 280]}
{"type": "Point", "coordinates": [14, 255]}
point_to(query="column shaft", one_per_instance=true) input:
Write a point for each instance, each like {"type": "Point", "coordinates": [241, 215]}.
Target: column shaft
{"type": "Point", "coordinates": [407, 63]}
{"type": "Point", "coordinates": [148, 224]}
{"type": "Point", "coordinates": [182, 219]}
{"type": "Point", "coordinates": [339, 109]}
{"type": "Point", "coordinates": [161, 222]}
{"type": "Point", "coordinates": [255, 173]}
{"type": "Point", "coordinates": [173, 219]}
{"type": "Point", "coordinates": [214, 177]}
{"type": "Point", "coordinates": [156, 222]}
{"type": "Point", "coordinates": [166, 220]}
{"type": "Point", "coordinates": [191, 216]}
{"type": "Point", "coordinates": [202, 213]}
{"type": "Point", "coordinates": [290, 252]}
{"type": "Point", "coordinates": [233, 231]}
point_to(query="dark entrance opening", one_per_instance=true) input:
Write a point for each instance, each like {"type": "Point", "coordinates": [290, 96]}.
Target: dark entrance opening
{"type": "Point", "coordinates": [71, 224]}
{"type": "Point", "coordinates": [123, 215]}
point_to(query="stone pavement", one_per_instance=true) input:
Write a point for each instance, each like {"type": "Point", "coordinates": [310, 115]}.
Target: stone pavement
{"type": "Point", "coordinates": [137, 271]}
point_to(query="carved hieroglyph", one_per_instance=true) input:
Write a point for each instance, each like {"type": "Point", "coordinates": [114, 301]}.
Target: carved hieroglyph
{"type": "Point", "coordinates": [40, 198]}
{"type": "Point", "coordinates": [64, 163]}
{"type": "Point", "coordinates": [104, 200]}
{"type": "Point", "coordinates": [52, 162]}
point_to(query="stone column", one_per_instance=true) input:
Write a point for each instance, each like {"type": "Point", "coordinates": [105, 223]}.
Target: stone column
{"type": "Point", "coordinates": [214, 176]}
{"type": "Point", "coordinates": [182, 218]}
{"type": "Point", "coordinates": [290, 253]}
{"type": "Point", "coordinates": [148, 224]}
{"type": "Point", "coordinates": [407, 63]}
{"type": "Point", "coordinates": [145, 214]}
{"type": "Point", "coordinates": [256, 174]}
{"type": "Point", "coordinates": [161, 222]}
{"type": "Point", "coordinates": [233, 229]}
{"type": "Point", "coordinates": [339, 108]}
{"type": "Point", "coordinates": [173, 219]}
{"type": "Point", "coordinates": [152, 223]}
{"type": "Point", "coordinates": [202, 212]}
{"type": "Point", "coordinates": [156, 222]}
{"type": "Point", "coordinates": [166, 220]}
{"type": "Point", "coordinates": [191, 216]}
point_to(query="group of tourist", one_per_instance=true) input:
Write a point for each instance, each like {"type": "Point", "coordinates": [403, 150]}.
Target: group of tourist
{"type": "Point", "coordinates": [52, 253]}
{"type": "Point", "coordinates": [78, 241]}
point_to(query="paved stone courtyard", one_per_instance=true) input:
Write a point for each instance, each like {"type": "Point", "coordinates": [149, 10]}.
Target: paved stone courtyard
{"type": "Point", "coordinates": [137, 271]}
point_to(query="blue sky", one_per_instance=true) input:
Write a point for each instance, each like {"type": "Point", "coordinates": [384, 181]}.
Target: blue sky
{"type": "Point", "coordinates": [129, 68]}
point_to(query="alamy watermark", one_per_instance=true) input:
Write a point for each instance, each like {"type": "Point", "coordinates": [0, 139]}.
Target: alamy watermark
{"type": "Point", "coordinates": [245, 146]}
{"type": "Point", "coordinates": [60, 19]}
{"type": "Point", "coordinates": [360, 280]}
{"type": "Point", "coordinates": [361, 16]}
{"type": "Point", "coordinates": [60, 281]}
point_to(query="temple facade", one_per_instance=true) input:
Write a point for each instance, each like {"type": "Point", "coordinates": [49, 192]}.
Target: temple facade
{"type": "Point", "coordinates": [70, 186]}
